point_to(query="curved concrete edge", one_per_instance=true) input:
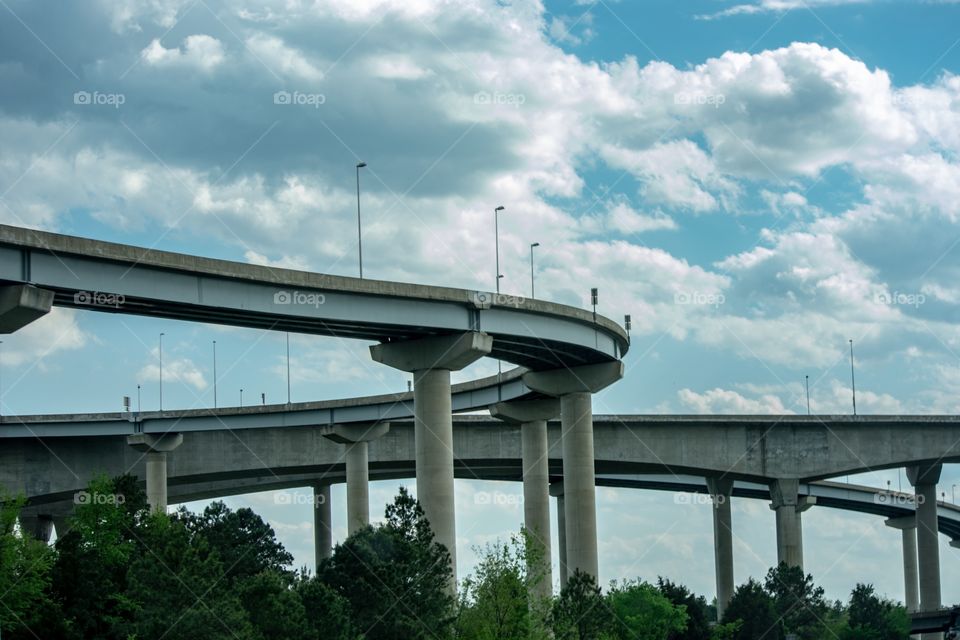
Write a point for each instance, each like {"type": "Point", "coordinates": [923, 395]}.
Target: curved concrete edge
{"type": "Point", "coordinates": [56, 244]}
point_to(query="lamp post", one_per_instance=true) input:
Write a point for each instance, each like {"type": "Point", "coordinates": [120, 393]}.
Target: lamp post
{"type": "Point", "coordinates": [496, 236]}
{"type": "Point", "coordinates": [532, 290]}
{"type": "Point", "coordinates": [214, 374]}
{"type": "Point", "coordinates": [161, 371]}
{"type": "Point", "coordinates": [241, 397]}
{"type": "Point", "coordinates": [360, 165]}
{"type": "Point", "coordinates": [853, 383]}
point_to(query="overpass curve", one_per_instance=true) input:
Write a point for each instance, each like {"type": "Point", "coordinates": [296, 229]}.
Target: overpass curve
{"type": "Point", "coordinates": [115, 278]}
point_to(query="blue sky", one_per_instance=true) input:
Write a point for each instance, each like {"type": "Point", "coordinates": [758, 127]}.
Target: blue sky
{"type": "Point", "coordinates": [755, 182]}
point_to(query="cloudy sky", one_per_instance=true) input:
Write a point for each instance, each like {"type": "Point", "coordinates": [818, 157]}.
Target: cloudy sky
{"type": "Point", "coordinates": [756, 181]}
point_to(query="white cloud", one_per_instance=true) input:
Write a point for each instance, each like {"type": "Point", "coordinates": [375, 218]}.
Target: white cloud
{"type": "Point", "coordinates": [283, 59]}
{"type": "Point", "coordinates": [175, 369]}
{"type": "Point", "coordinates": [200, 51]}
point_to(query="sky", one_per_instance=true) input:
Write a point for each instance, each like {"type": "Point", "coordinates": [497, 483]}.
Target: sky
{"type": "Point", "coordinates": [756, 182]}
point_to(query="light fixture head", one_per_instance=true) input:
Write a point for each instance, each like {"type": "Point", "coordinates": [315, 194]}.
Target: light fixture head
{"type": "Point", "coordinates": [500, 208]}
{"type": "Point", "coordinates": [361, 165]}
{"type": "Point", "coordinates": [535, 244]}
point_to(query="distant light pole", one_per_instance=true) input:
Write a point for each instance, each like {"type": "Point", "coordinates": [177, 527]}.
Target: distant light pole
{"type": "Point", "coordinates": [360, 165]}
{"type": "Point", "coordinates": [161, 371]}
{"type": "Point", "coordinates": [288, 367]}
{"type": "Point", "coordinates": [532, 290]}
{"type": "Point", "coordinates": [241, 397]}
{"type": "Point", "coordinates": [953, 494]}
{"type": "Point", "coordinates": [138, 398]}
{"type": "Point", "coordinates": [593, 300]}
{"type": "Point", "coordinates": [263, 399]}
{"type": "Point", "coordinates": [214, 374]}
{"type": "Point", "coordinates": [496, 236]}
{"type": "Point", "coordinates": [853, 382]}
{"type": "Point", "coordinates": [807, 380]}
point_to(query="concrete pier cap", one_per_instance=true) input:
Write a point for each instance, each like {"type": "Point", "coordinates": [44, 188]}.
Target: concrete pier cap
{"type": "Point", "coordinates": [450, 352]}
{"type": "Point", "coordinates": [523, 411]}
{"type": "Point", "coordinates": [21, 304]}
{"type": "Point", "coordinates": [356, 432]}
{"type": "Point", "coordinates": [588, 378]}
{"type": "Point", "coordinates": [152, 443]}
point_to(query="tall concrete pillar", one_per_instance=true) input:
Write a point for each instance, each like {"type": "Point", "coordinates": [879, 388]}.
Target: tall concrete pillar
{"type": "Point", "coordinates": [789, 505]}
{"type": "Point", "coordinates": [574, 387]}
{"type": "Point", "coordinates": [61, 524]}
{"type": "Point", "coordinates": [924, 479]}
{"type": "Point", "coordinates": [355, 438]}
{"type": "Point", "coordinates": [721, 490]}
{"type": "Point", "coordinates": [156, 448]}
{"type": "Point", "coordinates": [322, 533]}
{"type": "Point", "coordinates": [431, 360]}
{"type": "Point", "coordinates": [556, 489]}
{"type": "Point", "coordinates": [37, 526]}
{"type": "Point", "coordinates": [532, 416]}
{"type": "Point", "coordinates": [908, 530]}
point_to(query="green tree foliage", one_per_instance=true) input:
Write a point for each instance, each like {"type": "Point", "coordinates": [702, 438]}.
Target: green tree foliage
{"type": "Point", "coordinates": [89, 577]}
{"type": "Point", "coordinates": [642, 612]}
{"type": "Point", "coordinates": [580, 611]}
{"type": "Point", "coordinates": [753, 608]}
{"type": "Point", "coordinates": [698, 616]}
{"type": "Point", "coordinates": [275, 609]}
{"type": "Point", "coordinates": [245, 543]}
{"type": "Point", "coordinates": [177, 584]}
{"type": "Point", "coordinates": [395, 577]}
{"type": "Point", "coordinates": [494, 603]}
{"type": "Point", "coordinates": [25, 565]}
{"type": "Point", "coordinates": [328, 613]}
{"type": "Point", "coordinates": [798, 602]}
{"type": "Point", "coordinates": [870, 617]}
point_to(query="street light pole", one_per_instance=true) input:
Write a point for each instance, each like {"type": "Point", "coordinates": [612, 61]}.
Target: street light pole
{"type": "Point", "coordinates": [214, 374]}
{"type": "Point", "coordinates": [853, 382]}
{"type": "Point", "coordinates": [360, 165]}
{"type": "Point", "coordinates": [496, 235]}
{"type": "Point", "coordinates": [532, 290]}
{"type": "Point", "coordinates": [161, 371]}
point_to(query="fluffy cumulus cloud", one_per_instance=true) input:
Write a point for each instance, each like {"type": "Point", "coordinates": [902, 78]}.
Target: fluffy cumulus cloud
{"type": "Point", "coordinates": [241, 123]}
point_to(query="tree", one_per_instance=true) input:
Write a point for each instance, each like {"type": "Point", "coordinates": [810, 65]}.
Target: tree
{"type": "Point", "coordinates": [25, 573]}
{"type": "Point", "coordinates": [580, 612]}
{"type": "Point", "coordinates": [752, 607]}
{"type": "Point", "coordinates": [176, 582]}
{"type": "Point", "coordinates": [873, 618]}
{"type": "Point", "coordinates": [245, 543]}
{"type": "Point", "coordinates": [328, 613]}
{"type": "Point", "coordinates": [642, 612]}
{"type": "Point", "coordinates": [798, 602]}
{"type": "Point", "coordinates": [494, 603]}
{"type": "Point", "coordinates": [276, 611]}
{"type": "Point", "coordinates": [90, 572]}
{"type": "Point", "coordinates": [698, 617]}
{"type": "Point", "coordinates": [395, 577]}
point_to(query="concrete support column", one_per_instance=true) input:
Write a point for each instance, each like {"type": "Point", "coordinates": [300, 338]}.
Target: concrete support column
{"type": "Point", "coordinates": [156, 448]}
{"type": "Point", "coordinates": [721, 490]}
{"type": "Point", "coordinates": [908, 530]}
{"type": "Point", "coordinates": [575, 386]}
{"type": "Point", "coordinates": [532, 417]}
{"type": "Point", "coordinates": [557, 490]}
{"type": "Point", "coordinates": [355, 438]}
{"type": "Point", "coordinates": [924, 478]}
{"type": "Point", "coordinates": [358, 490]}
{"type": "Point", "coordinates": [431, 360]}
{"type": "Point", "coordinates": [38, 527]}
{"type": "Point", "coordinates": [322, 535]}
{"type": "Point", "coordinates": [579, 488]}
{"type": "Point", "coordinates": [789, 506]}
{"type": "Point", "coordinates": [61, 524]}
